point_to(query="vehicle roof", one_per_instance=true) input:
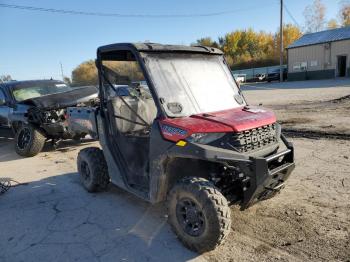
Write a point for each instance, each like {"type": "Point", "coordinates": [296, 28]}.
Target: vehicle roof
{"type": "Point", "coordinates": [28, 83]}
{"type": "Point", "coordinates": [154, 47]}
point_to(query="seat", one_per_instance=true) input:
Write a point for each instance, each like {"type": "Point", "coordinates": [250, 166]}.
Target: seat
{"type": "Point", "coordinates": [126, 121]}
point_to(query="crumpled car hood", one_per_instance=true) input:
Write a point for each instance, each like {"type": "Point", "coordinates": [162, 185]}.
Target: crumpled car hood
{"type": "Point", "coordinates": [63, 100]}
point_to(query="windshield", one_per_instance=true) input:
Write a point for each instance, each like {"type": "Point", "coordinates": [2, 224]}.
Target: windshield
{"type": "Point", "coordinates": [189, 84]}
{"type": "Point", "coordinates": [39, 89]}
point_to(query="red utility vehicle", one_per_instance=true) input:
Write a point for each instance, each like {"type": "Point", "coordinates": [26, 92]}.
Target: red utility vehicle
{"type": "Point", "coordinates": [173, 125]}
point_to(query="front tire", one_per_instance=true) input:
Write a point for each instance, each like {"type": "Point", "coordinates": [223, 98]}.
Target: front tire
{"type": "Point", "coordinates": [29, 141]}
{"type": "Point", "coordinates": [93, 170]}
{"type": "Point", "coordinates": [198, 214]}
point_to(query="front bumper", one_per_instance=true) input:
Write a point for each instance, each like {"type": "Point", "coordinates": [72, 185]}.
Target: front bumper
{"type": "Point", "coordinates": [262, 177]}
{"type": "Point", "coordinates": [268, 175]}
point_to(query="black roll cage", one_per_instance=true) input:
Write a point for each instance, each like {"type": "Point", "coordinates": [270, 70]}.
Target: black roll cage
{"type": "Point", "coordinates": [113, 147]}
{"type": "Point", "coordinates": [140, 60]}
{"type": "Point", "coordinates": [126, 103]}
{"type": "Point", "coordinates": [106, 54]}
{"type": "Point", "coordinates": [138, 50]}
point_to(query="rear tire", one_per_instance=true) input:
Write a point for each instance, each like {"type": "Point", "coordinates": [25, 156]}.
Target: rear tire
{"type": "Point", "coordinates": [93, 170]}
{"type": "Point", "coordinates": [29, 141]}
{"type": "Point", "coordinates": [198, 214]}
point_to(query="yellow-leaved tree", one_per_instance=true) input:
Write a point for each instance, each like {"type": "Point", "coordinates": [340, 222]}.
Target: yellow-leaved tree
{"type": "Point", "coordinates": [344, 14]}
{"type": "Point", "coordinates": [85, 74]}
{"type": "Point", "coordinates": [291, 33]}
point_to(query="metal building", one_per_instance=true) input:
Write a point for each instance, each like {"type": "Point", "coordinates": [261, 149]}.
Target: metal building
{"type": "Point", "coordinates": [320, 55]}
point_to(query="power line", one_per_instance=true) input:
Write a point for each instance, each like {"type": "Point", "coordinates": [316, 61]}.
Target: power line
{"type": "Point", "coordinates": [77, 12]}
{"type": "Point", "coordinates": [291, 16]}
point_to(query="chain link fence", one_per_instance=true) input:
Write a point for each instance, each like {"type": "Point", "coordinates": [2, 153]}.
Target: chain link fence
{"type": "Point", "coordinates": [252, 74]}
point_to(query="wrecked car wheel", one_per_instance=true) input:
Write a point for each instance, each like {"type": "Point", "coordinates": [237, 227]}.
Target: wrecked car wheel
{"type": "Point", "coordinates": [29, 141]}
{"type": "Point", "coordinates": [92, 168]}
{"type": "Point", "coordinates": [198, 214]}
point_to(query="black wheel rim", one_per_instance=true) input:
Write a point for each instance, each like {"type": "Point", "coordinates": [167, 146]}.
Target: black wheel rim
{"type": "Point", "coordinates": [85, 171]}
{"type": "Point", "coordinates": [190, 217]}
{"type": "Point", "coordinates": [23, 138]}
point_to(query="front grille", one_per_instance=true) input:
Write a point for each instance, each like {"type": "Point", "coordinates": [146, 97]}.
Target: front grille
{"type": "Point", "coordinates": [254, 139]}
{"type": "Point", "coordinates": [249, 140]}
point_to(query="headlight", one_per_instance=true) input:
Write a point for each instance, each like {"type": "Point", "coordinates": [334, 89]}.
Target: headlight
{"type": "Point", "coordinates": [204, 138]}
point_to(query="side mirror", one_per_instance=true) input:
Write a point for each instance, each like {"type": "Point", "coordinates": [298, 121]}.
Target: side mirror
{"type": "Point", "coordinates": [2, 101]}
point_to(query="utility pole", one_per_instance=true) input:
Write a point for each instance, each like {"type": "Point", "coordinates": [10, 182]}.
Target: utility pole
{"type": "Point", "coordinates": [281, 42]}
{"type": "Point", "coordinates": [62, 71]}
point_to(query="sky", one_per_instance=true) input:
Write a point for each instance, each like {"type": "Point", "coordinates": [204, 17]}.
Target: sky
{"type": "Point", "coordinates": [34, 43]}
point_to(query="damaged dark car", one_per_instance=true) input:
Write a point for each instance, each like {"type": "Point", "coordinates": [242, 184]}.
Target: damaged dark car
{"type": "Point", "coordinates": [36, 112]}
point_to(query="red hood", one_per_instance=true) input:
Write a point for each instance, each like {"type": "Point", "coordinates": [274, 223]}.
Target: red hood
{"type": "Point", "coordinates": [232, 120]}
{"type": "Point", "coordinates": [240, 119]}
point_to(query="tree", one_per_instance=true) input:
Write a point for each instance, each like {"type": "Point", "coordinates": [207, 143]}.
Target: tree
{"type": "Point", "coordinates": [5, 78]}
{"type": "Point", "coordinates": [85, 74]}
{"type": "Point", "coordinates": [242, 49]}
{"type": "Point", "coordinates": [291, 33]}
{"type": "Point", "coordinates": [67, 80]}
{"type": "Point", "coordinates": [344, 14]}
{"type": "Point", "coordinates": [315, 16]}
{"type": "Point", "coordinates": [207, 41]}
{"type": "Point", "coordinates": [244, 46]}
{"type": "Point", "coordinates": [332, 24]}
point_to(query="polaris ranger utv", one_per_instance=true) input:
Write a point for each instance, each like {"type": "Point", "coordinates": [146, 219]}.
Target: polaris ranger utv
{"type": "Point", "coordinates": [173, 125]}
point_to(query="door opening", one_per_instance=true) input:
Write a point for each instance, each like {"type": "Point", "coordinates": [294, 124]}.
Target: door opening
{"type": "Point", "coordinates": [341, 72]}
{"type": "Point", "coordinates": [131, 112]}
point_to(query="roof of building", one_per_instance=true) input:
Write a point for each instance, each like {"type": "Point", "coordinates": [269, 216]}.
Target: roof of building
{"type": "Point", "coordinates": [322, 37]}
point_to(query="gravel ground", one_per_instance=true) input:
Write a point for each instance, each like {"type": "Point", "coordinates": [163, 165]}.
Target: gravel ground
{"type": "Point", "coordinates": [289, 93]}
{"type": "Point", "coordinates": [314, 106]}
{"type": "Point", "coordinates": [52, 218]}
{"type": "Point", "coordinates": [308, 220]}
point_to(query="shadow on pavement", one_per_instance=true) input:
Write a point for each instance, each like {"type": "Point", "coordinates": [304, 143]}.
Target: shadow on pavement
{"type": "Point", "coordinates": [67, 145]}
{"type": "Point", "coordinates": [6, 135]}
{"type": "Point", "coordinates": [55, 219]}
{"type": "Point", "coordinates": [8, 151]}
{"type": "Point", "coordinates": [6, 145]}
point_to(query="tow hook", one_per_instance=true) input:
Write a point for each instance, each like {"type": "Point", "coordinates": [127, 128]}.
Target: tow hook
{"type": "Point", "coordinates": [245, 183]}
{"type": "Point", "coordinates": [269, 192]}
{"type": "Point", "coordinates": [55, 143]}
{"type": "Point", "coordinates": [276, 188]}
